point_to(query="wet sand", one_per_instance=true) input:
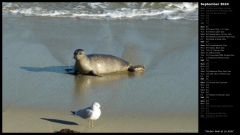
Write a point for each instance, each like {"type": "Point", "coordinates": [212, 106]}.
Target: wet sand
{"type": "Point", "coordinates": [36, 50]}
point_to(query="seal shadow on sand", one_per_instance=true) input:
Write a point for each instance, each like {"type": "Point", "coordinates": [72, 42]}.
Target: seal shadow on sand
{"type": "Point", "coordinates": [54, 69]}
{"type": "Point", "coordinates": [60, 121]}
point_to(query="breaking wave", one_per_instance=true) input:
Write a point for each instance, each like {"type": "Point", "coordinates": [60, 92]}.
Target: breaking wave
{"type": "Point", "coordinates": [104, 10]}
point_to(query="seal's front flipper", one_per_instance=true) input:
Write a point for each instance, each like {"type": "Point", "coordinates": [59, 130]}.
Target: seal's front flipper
{"type": "Point", "coordinates": [94, 73]}
{"type": "Point", "coordinates": [71, 71]}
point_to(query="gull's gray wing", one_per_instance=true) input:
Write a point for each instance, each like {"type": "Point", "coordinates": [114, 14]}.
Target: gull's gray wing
{"type": "Point", "coordinates": [84, 113]}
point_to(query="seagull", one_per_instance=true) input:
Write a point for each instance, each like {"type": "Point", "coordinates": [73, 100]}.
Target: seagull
{"type": "Point", "coordinates": [91, 113]}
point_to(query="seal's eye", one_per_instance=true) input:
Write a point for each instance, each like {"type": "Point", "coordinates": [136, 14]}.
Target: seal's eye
{"type": "Point", "coordinates": [78, 51]}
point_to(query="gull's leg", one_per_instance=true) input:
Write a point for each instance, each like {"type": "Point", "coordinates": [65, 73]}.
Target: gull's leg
{"type": "Point", "coordinates": [89, 123]}
{"type": "Point", "coordinates": [92, 123]}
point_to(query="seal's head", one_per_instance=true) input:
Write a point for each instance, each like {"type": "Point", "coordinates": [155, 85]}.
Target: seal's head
{"type": "Point", "coordinates": [78, 54]}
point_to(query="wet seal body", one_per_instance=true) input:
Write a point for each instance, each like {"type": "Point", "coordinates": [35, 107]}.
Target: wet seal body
{"type": "Point", "coordinates": [100, 64]}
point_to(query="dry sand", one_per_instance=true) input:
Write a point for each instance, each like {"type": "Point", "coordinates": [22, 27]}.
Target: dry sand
{"type": "Point", "coordinates": [27, 120]}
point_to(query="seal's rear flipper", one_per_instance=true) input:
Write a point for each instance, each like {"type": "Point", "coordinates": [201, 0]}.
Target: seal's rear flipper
{"type": "Point", "coordinates": [136, 68]}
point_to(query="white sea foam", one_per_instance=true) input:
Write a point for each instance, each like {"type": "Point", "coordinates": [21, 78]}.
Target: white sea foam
{"type": "Point", "coordinates": [106, 10]}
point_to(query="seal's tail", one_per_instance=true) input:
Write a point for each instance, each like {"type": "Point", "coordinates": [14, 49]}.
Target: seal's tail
{"type": "Point", "coordinates": [136, 68]}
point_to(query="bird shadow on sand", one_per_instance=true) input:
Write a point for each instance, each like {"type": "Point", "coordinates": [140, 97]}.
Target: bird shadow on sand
{"type": "Point", "coordinates": [54, 69]}
{"type": "Point", "coordinates": [60, 121]}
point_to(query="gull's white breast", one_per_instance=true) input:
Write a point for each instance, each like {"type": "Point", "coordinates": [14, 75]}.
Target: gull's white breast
{"type": "Point", "coordinates": [95, 114]}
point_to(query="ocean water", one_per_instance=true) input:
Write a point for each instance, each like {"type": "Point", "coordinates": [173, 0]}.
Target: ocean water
{"type": "Point", "coordinates": [38, 44]}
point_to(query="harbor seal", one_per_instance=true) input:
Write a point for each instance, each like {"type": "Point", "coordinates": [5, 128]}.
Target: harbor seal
{"type": "Point", "coordinates": [100, 64]}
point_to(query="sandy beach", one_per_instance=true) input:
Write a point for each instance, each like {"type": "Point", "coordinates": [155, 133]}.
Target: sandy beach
{"type": "Point", "coordinates": [38, 94]}
{"type": "Point", "coordinates": [26, 120]}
